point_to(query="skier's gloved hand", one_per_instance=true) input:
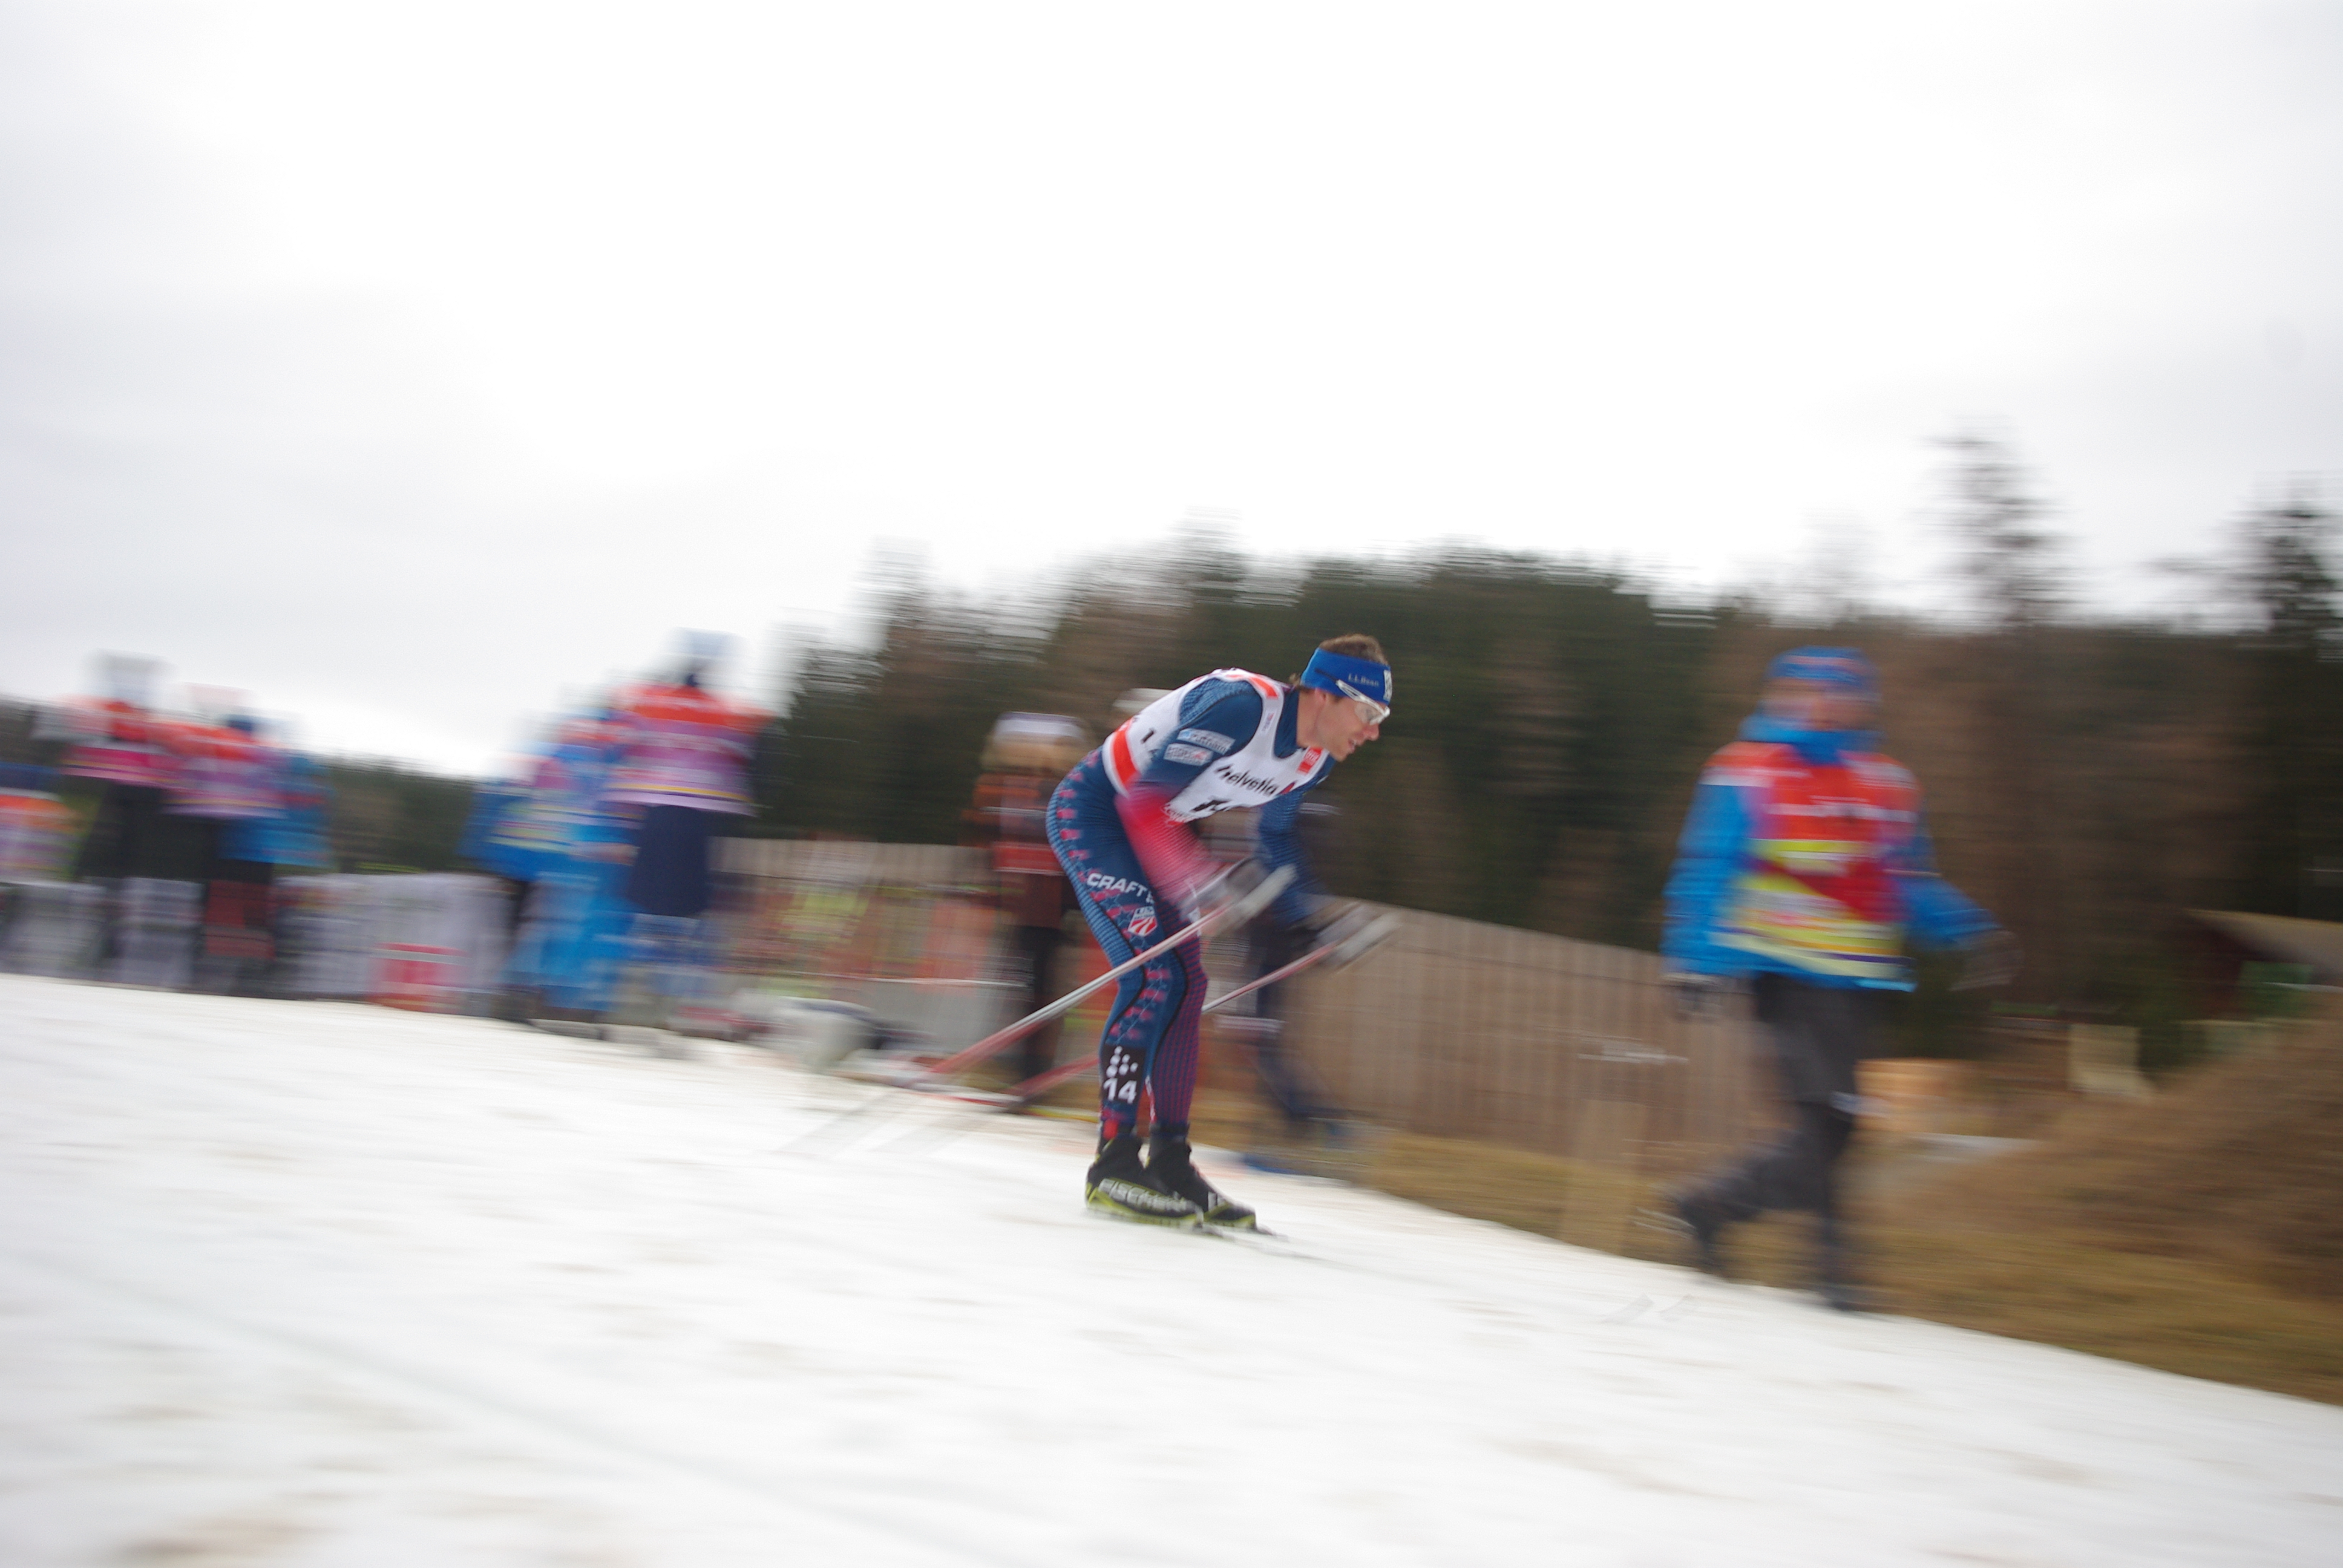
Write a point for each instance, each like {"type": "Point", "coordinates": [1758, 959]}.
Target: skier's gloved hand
{"type": "Point", "coordinates": [1335, 921]}
{"type": "Point", "coordinates": [1350, 933]}
{"type": "Point", "coordinates": [1323, 914]}
{"type": "Point", "coordinates": [1221, 887]}
{"type": "Point", "coordinates": [1991, 959]}
{"type": "Point", "coordinates": [1699, 995]}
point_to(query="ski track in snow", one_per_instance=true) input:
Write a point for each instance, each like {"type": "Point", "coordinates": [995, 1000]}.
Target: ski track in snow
{"type": "Point", "coordinates": [309, 1283]}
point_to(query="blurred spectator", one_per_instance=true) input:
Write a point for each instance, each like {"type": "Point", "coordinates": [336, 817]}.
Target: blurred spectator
{"type": "Point", "coordinates": [683, 762]}
{"type": "Point", "coordinates": [580, 847]}
{"type": "Point", "coordinates": [1270, 944]}
{"type": "Point", "coordinates": [1025, 756]}
{"type": "Point", "coordinates": [118, 742]}
{"type": "Point", "coordinates": [484, 843]}
{"type": "Point", "coordinates": [141, 856]}
{"type": "Point", "coordinates": [35, 826]}
{"type": "Point", "coordinates": [36, 839]}
{"type": "Point", "coordinates": [294, 833]}
{"type": "Point", "coordinates": [242, 907]}
{"type": "Point", "coordinates": [229, 782]}
{"type": "Point", "coordinates": [683, 757]}
{"type": "Point", "coordinates": [1802, 868]}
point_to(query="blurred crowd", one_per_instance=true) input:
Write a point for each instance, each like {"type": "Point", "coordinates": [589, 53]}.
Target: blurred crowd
{"type": "Point", "coordinates": [189, 848]}
{"type": "Point", "coordinates": [186, 845]}
{"type": "Point", "coordinates": [604, 846]}
{"type": "Point", "coordinates": [151, 853]}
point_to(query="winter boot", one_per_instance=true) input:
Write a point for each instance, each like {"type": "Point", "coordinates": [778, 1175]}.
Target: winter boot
{"type": "Point", "coordinates": [1703, 1221]}
{"type": "Point", "coordinates": [1119, 1185]}
{"type": "Point", "coordinates": [1834, 1273]}
{"type": "Point", "coordinates": [1168, 1164]}
{"type": "Point", "coordinates": [1844, 1296]}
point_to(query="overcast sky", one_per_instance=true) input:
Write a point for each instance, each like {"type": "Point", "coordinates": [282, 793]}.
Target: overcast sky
{"type": "Point", "coordinates": [411, 366]}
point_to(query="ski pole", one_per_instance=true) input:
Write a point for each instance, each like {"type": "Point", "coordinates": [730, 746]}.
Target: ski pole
{"type": "Point", "coordinates": [1350, 950]}
{"type": "Point", "coordinates": [931, 1079]}
{"type": "Point", "coordinates": [1236, 912]}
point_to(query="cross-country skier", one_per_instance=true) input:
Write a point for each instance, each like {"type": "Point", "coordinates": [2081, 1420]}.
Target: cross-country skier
{"type": "Point", "coordinates": [1802, 867]}
{"type": "Point", "coordinates": [1119, 825]}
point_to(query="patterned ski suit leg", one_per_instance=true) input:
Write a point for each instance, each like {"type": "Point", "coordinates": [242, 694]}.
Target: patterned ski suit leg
{"type": "Point", "coordinates": [1152, 1032]}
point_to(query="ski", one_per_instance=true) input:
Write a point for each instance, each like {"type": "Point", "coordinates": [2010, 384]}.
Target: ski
{"type": "Point", "coordinates": [1260, 1238]}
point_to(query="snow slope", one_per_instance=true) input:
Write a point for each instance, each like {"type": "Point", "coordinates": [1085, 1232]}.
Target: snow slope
{"type": "Point", "coordinates": [323, 1284]}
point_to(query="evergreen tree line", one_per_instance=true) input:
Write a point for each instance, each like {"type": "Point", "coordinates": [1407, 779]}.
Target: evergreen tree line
{"type": "Point", "coordinates": [2089, 779]}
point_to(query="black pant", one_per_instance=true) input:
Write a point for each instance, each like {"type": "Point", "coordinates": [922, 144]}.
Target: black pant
{"type": "Point", "coordinates": [131, 834]}
{"type": "Point", "coordinates": [1036, 951]}
{"type": "Point", "coordinates": [670, 873]}
{"type": "Point", "coordinates": [1818, 1035]}
{"type": "Point", "coordinates": [1271, 946]}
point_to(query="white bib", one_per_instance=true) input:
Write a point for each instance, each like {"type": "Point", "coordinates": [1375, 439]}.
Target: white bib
{"type": "Point", "coordinates": [1248, 770]}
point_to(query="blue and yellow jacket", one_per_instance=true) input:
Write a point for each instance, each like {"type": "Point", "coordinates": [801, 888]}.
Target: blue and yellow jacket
{"type": "Point", "coordinates": [1805, 854]}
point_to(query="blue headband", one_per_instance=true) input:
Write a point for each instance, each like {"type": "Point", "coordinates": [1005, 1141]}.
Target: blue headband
{"type": "Point", "coordinates": [1346, 676]}
{"type": "Point", "coordinates": [1845, 667]}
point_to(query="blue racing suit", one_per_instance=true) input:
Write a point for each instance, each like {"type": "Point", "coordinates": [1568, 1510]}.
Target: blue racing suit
{"type": "Point", "coordinates": [1150, 1038]}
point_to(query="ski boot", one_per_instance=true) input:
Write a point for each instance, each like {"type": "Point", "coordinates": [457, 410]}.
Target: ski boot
{"type": "Point", "coordinates": [1120, 1186]}
{"type": "Point", "coordinates": [1169, 1166]}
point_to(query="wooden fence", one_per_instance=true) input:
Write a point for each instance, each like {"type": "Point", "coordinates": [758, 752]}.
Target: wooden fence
{"type": "Point", "coordinates": [1453, 1027]}
{"type": "Point", "coordinates": [905, 931]}
{"type": "Point", "coordinates": [1462, 1029]}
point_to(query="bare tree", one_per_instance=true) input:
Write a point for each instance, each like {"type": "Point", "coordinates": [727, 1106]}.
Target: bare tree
{"type": "Point", "coordinates": [2017, 572]}
{"type": "Point", "coordinates": [2294, 858]}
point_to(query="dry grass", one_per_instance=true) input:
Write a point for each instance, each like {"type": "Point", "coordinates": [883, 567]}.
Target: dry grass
{"type": "Point", "coordinates": [2180, 1314]}
{"type": "Point", "coordinates": [2201, 1233]}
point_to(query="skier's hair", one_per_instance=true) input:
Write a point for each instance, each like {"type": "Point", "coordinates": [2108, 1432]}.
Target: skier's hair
{"type": "Point", "coordinates": [1350, 644]}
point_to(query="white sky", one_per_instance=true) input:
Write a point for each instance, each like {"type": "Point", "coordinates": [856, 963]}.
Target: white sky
{"type": "Point", "coordinates": [414, 365]}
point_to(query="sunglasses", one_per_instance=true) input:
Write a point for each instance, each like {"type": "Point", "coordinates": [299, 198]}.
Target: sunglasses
{"type": "Point", "coordinates": [1373, 712]}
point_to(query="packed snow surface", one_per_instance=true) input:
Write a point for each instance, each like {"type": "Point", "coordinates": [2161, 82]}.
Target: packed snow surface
{"type": "Point", "coordinates": [317, 1283]}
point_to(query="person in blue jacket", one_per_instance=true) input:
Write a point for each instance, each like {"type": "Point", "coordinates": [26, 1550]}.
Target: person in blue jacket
{"type": "Point", "coordinates": [573, 943]}
{"type": "Point", "coordinates": [1802, 870]}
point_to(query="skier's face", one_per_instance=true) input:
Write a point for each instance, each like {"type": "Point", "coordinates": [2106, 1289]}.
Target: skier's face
{"type": "Point", "coordinates": [1814, 704]}
{"type": "Point", "coordinates": [1337, 724]}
